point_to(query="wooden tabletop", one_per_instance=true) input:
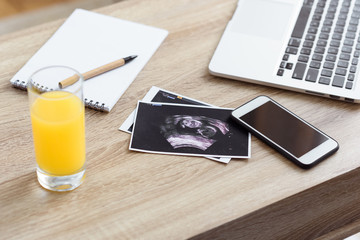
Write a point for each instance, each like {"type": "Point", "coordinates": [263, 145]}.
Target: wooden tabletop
{"type": "Point", "coordinates": [132, 195]}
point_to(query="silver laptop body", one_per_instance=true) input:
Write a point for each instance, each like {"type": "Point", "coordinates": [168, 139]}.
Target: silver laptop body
{"type": "Point", "coordinates": [309, 46]}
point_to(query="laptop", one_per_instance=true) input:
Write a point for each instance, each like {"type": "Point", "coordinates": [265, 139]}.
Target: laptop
{"type": "Point", "coordinates": [310, 46]}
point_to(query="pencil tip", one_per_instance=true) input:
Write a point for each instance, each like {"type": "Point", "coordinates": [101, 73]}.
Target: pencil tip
{"type": "Point", "coordinates": [129, 58]}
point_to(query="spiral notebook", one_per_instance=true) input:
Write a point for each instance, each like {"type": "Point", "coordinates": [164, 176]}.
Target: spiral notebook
{"type": "Point", "coordinates": [87, 40]}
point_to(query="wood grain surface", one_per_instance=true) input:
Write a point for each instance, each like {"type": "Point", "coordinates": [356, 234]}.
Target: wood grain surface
{"type": "Point", "coordinates": [132, 195]}
{"type": "Point", "coordinates": [13, 7]}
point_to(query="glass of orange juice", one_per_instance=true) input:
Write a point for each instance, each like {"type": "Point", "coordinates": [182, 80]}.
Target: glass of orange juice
{"type": "Point", "coordinates": [57, 117]}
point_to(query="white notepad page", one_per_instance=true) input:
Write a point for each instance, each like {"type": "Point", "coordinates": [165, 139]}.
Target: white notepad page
{"type": "Point", "coordinates": [88, 40]}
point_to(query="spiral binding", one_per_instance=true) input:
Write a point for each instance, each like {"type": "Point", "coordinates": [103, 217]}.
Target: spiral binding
{"type": "Point", "coordinates": [95, 105]}
{"type": "Point", "coordinates": [23, 86]}
{"type": "Point", "coordinates": [20, 84]}
{"type": "Point", "coordinates": [88, 103]}
{"type": "Point", "coordinates": [42, 88]}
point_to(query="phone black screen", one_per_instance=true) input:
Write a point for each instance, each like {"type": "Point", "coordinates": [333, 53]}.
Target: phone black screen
{"type": "Point", "coordinates": [284, 129]}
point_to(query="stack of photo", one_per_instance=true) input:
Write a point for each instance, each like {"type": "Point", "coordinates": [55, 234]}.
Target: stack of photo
{"type": "Point", "coordinates": [168, 123]}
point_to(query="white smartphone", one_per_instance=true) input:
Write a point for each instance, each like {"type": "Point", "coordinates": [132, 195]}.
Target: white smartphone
{"type": "Point", "coordinates": [287, 133]}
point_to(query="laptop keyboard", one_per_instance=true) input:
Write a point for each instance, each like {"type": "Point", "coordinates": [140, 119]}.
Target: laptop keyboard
{"type": "Point", "coordinates": [325, 44]}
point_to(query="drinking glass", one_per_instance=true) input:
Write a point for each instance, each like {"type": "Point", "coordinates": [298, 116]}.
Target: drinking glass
{"type": "Point", "coordinates": [58, 127]}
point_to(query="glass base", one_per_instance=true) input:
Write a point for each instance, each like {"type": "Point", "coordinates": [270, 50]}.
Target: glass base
{"type": "Point", "coordinates": [60, 183]}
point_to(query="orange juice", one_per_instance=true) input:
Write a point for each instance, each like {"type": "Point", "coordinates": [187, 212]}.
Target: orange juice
{"type": "Point", "coordinates": [59, 132]}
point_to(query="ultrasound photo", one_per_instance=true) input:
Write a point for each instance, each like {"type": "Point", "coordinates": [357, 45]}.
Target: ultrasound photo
{"type": "Point", "coordinates": [188, 130]}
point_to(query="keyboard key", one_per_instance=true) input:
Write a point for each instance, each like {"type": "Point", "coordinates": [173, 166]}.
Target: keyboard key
{"type": "Point", "coordinates": [352, 28]}
{"type": "Point", "coordinates": [308, 44]}
{"type": "Point", "coordinates": [341, 23]}
{"type": "Point", "coordinates": [330, 58]}
{"type": "Point", "coordinates": [332, 9]}
{"type": "Point", "coordinates": [344, 56]}
{"type": "Point", "coordinates": [321, 43]}
{"type": "Point", "coordinates": [333, 50]}
{"type": "Point", "coordinates": [324, 36]}
{"type": "Point", "coordinates": [343, 15]}
{"type": "Point", "coordinates": [310, 37]}
{"type": "Point", "coordinates": [280, 72]}
{"type": "Point", "coordinates": [353, 69]}
{"type": "Point", "coordinates": [346, 4]}
{"type": "Point", "coordinates": [351, 77]}
{"type": "Point", "coordinates": [329, 65]}
{"type": "Point", "coordinates": [320, 50]}
{"type": "Point", "coordinates": [334, 3]}
{"type": "Point", "coordinates": [303, 58]}
{"type": "Point", "coordinates": [289, 66]}
{"type": "Point", "coordinates": [294, 42]}
{"type": "Point", "coordinates": [285, 57]}
{"type": "Point", "coordinates": [350, 35]}
{"type": "Point", "coordinates": [291, 50]}
{"type": "Point", "coordinates": [355, 14]}
{"type": "Point", "coordinates": [349, 85]}
{"type": "Point", "coordinates": [346, 49]}
{"type": "Point", "coordinates": [305, 51]}
{"type": "Point", "coordinates": [311, 75]}
{"type": "Point", "coordinates": [335, 43]}
{"type": "Point", "coordinates": [340, 71]}
{"type": "Point", "coordinates": [338, 30]}
{"type": "Point", "coordinates": [336, 36]}
{"type": "Point", "coordinates": [315, 64]}
{"type": "Point", "coordinates": [326, 29]}
{"type": "Point", "coordinates": [354, 21]}
{"type": "Point", "coordinates": [338, 81]}
{"type": "Point", "coordinates": [318, 57]}
{"type": "Point", "coordinates": [301, 22]}
{"type": "Point", "coordinates": [321, 4]}
{"type": "Point", "coordinates": [355, 61]}
{"type": "Point", "coordinates": [312, 30]}
{"type": "Point", "coordinates": [330, 15]}
{"type": "Point", "coordinates": [326, 73]}
{"type": "Point", "coordinates": [282, 64]}
{"type": "Point", "coordinates": [319, 10]}
{"type": "Point", "coordinates": [356, 54]}
{"type": "Point", "coordinates": [324, 80]}
{"type": "Point", "coordinates": [299, 71]}
{"type": "Point", "coordinates": [343, 64]}
{"type": "Point", "coordinates": [316, 17]}
{"type": "Point", "coordinates": [345, 7]}
{"type": "Point", "coordinates": [314, 23]}
{"type": "Point", "coordinates": [328, 22]}
{"type": "Point", "coordinates": [348, 42]}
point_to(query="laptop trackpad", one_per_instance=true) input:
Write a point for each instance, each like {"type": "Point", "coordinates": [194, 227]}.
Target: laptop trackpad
{"type": "Point", "coordinates": [262, 18]}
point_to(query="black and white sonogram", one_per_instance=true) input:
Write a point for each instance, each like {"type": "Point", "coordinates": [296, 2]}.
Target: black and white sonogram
{"type": "Point", "coordinates": [188, 130]}
{"type": "Point", "coordinates": [167, 97]}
